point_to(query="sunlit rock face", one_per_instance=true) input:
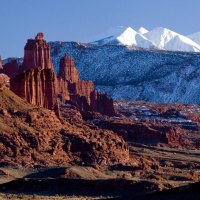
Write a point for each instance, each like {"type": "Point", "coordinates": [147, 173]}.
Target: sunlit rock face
{"type": "Point", "coordinates": [37, 54]}
{"type": "Point", "coordinates": [37, 83]}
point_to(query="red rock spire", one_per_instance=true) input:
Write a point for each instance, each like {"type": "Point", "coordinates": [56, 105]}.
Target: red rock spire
{"type": "Point", "coordinates": [37, 54]}
{"type": "Point", "coordinates": [81, 93]}
{"type": "Point", "coordinates": [67, 70]}
{"type": "Point", "coordinates": [38, 82]}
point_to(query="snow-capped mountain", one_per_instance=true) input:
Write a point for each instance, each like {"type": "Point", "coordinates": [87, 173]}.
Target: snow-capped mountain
{"type": "Point", "coordinates": [142, 30]}
{"type": "Point", "coordinates": [150, 75]}
{"type": "Point", "coordinates": [123, 36]}
{"type": "Point", "coordinates": [180, 43]}
{"type": "Point", "coordinates": [166, 39]}
{"type": "Point", "coordinates": [158, 38]}
{"type": "Point", "coordinates": [195, 37]}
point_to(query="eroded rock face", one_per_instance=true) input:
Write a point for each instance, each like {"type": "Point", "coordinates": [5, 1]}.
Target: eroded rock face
{"type": "Point", "coordinates": [37, 54]}
{"type": "Point", "coordinates": [37, 83]}
{"type": "Point", "coordinates": [81, 93]}
{"type": "Point", "coordinates": [32, 136]}
{"type": "Point", "coordinates": [37, 86]}
{"type": "Point", "coordinates": [67, 70]}
{"type": "Point", "coordinates": [101, 103]}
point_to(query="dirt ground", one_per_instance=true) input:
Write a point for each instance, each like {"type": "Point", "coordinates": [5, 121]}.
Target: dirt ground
{"type": "Point", "coordinates": [153, 169]}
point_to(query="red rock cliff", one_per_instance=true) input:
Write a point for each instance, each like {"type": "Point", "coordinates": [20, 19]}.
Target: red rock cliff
{"type": "Point", "coordinates": [81, 93]}
{"type": "Point", "coordinates": [67, 70]}
{"type": "Point", "coordinates": [38, 83]}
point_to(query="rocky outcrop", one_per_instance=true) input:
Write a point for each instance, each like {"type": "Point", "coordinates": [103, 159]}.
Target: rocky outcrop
{"type": "Point", "coordinates": [4, 80]}
{"type": "Point", "coordinates": [152, 133]}
{"type": "Point", "coordinates": [81, 93]}
{"type": "Point", "coordinates": [37, 54]}
{"type": "Point", "coordinates": [31, 137]}
{"type": "Point", "coordinates": [71, 88]}
{"type": "Point", "coordinates": [172, 125]}
{"type": "Point", "coordinates": [67, 70]}
{"type": "Point", "coordinates": [37, 83]}
{"type": "Point", "coordinates": [101, 103]}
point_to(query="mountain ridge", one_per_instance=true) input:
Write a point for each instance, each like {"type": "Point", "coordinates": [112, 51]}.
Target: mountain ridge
{"type": "Point", "coordinates": [156, 38]}
{"type": "Point", "coordinates": [123, 36]}
{"type": "Point", "coordinates": [170, 40]}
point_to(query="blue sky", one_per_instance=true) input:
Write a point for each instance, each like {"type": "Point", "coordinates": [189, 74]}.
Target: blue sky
{"type": "Point", "coordinates": [77, 20]}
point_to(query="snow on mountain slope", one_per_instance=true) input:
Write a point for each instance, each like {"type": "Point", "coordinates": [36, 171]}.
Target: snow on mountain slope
{"type": "Point", "coordinates": [195, 37]}
{"type": "Point", "coordinates": [124, 36]}
{"type": "Point", "coordinates": [160, 38]}
{"type": "Point", "coordinates": [142, 30]}
{"type": "Point", "coordinates": [179, 43]}
{"type": "Point", "coordinates": [150, 75]}
{"type": "Point", "coordinates": [169, 40]}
